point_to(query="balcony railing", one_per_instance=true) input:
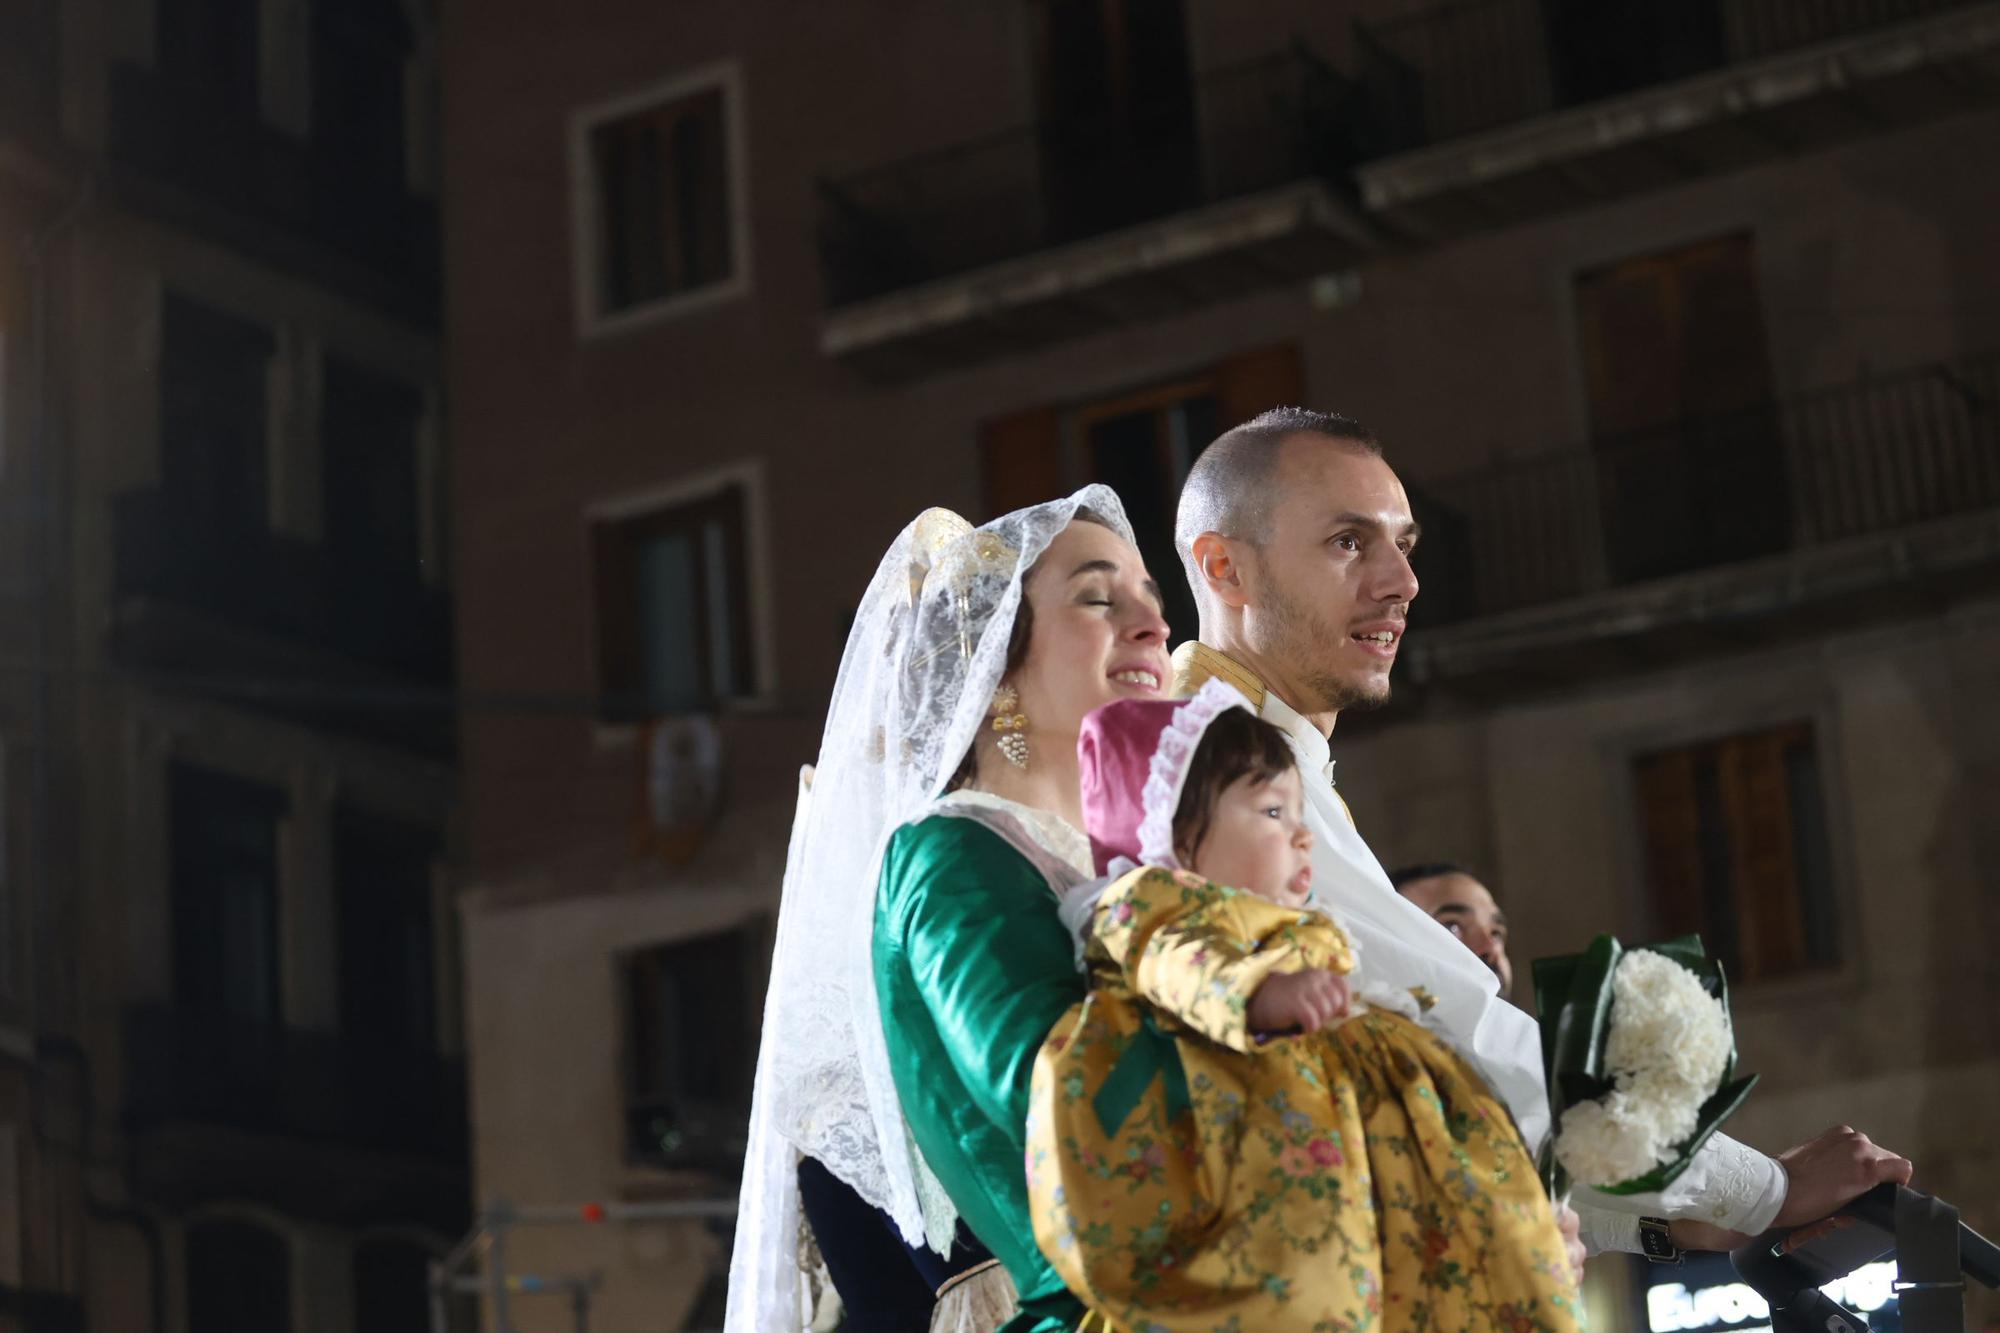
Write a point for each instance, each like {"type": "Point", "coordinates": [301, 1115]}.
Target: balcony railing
{"type": "Point", "coordinates": [1485, 63]}
{"type": "Point", "coordinates": [1252, 127]}
{"type": "Point", "coordinates": [230, 159]}
{"type": "Point", "coordinates": [186, 1068]}
{"type": "Point", "coordinates": [1863, 458]}
{"type": "Point", "coordinates": [30, 62]}
{"type": "Point", "coordinates": [252, 579]}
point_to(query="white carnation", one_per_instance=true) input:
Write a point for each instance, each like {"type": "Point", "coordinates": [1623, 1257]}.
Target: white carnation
{"type": "Point", "coordinates": [1665, 1051]}
{"type": "Point", "coordinates": [1665, 1024]}
{"type": "Point", "coordinates": [1601, 1143]}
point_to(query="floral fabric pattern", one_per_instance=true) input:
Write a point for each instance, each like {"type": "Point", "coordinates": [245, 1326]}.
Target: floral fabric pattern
{"type": "Point", "coordinates": [1188, 1176]}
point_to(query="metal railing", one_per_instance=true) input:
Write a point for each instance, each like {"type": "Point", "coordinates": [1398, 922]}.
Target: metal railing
{"type": "Point", "coordinates": [1484, 63]}
{"type": "Point", "coordinates": [1253, 126]}
{"type": "Point", "coordinates": [186, 1067]}
{"type": "Point", "coordinates": [1867, 457]}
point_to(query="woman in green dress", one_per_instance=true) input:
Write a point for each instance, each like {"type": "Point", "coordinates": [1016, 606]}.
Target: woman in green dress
{"type": "Point", "coordinates": [920, 960]}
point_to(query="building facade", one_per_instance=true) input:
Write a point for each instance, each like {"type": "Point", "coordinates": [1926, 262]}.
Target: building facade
{"type": "Point", "coordinates": [1679, 325]}
{"type": "Point", "coordinates": [230, 1096]}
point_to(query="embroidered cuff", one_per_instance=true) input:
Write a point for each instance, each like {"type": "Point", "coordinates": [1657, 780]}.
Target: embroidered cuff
{"type": "Point", "coordinates": [1605, 1232]}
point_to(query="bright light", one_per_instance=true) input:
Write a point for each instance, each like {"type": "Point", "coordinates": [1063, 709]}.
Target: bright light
{"type": "Point", "coordinates": [1671, 1307]}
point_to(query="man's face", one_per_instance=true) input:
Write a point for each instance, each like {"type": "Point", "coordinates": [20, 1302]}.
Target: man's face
{"type": "Point", "coordinates": [1463, 906]}
{"type": "Point", "coordinates": [1332, 581]}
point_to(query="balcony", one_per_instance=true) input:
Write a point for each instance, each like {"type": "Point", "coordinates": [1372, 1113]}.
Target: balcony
{"type": "Point", "coordinates": [1528, 107]}
{"type": "Point", "coordinates": [1883, 492]}
{"type": "Point", "coordinates": [280, 587]}
{"type": "Point", "coordinates": [30, 64]}
{"type": "Point", "coordinates": [338, 1127]}
{"type": "Point", "coordinates": [199, 162]}
{"type": "Point", "coordinates": [324, 639]}
{"type": "Point", "coordinates": [1047, 232]}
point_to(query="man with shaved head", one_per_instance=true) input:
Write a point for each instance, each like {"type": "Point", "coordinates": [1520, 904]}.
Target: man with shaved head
{"type": "Point", "coordinates": [1296, 538]}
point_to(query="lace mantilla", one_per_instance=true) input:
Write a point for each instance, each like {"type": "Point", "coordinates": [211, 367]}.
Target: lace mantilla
{"type": "Point", "coordinates": [928, 648]}
{"type": "Point", "coordinates": [1043, 835]}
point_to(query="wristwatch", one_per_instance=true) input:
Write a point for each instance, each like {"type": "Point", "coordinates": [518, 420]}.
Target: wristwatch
{"type": "Point", "coordinates": [1656, 1240]}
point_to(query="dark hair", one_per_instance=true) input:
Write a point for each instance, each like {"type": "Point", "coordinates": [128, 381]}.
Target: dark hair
{"type": "Point", "coordinates": [1427, 870]}
{"type": "Point", "coordinates": [1237, 745]}
{"type": "Point", "coordinates": [1017, 646]}
{"type": "Point", "coordinates": [1232, 487]}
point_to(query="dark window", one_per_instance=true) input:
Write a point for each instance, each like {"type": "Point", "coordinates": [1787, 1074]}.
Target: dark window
{"type": "Point", "coordinates": [1736, 850]}
{"type": "Point", "coordinates": [392, 1291]}
{"type": "Point", "coordinates": [1117, 106]}
{"type": "Point", "coordinates": [224, 833]}
{"type": "Point", "coordinates": [1688, 449]}
{"type": "Point", "coordinates": [673, 608]}
{"type": "Point", "coordinates": [1142, 448]}
{"type": "Point", "coordinates": [691, 1042]}
{"type": "Point", "coordinates": [210, 50]}
{"type": "Point", "coordinates": [239, 1278]}
{"type": "Point", "coordinates": [662, 182]}
{"type": "Point", "coordinates": [1140, 444]}
{"type": "Point", "coordinates": [214, 416]}
{"type": "Point", "coordinates": [368, 443]}
{"type": "Point", "coordinates": [388, 971]}
{"type": "Point", "coordinates": [358, 58]}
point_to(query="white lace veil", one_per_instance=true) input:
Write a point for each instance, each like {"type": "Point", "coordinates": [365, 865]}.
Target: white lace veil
{"type": "Point", "coordinates": [916, 683]}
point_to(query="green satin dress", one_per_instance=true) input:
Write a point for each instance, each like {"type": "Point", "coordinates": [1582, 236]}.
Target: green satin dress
{"type": "Point", "coordinates": [972, 969]}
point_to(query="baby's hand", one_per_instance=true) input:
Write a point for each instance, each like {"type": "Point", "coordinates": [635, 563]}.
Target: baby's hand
{"type": "Point", "coordinates": [1298, 1001]}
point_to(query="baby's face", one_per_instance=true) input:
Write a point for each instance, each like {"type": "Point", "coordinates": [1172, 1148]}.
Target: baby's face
{"type": "Point", "coordinates": [1258, 840]}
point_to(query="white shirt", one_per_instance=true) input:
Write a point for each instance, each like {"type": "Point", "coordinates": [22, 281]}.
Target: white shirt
{"type": "Point", "coordinates": [1727, 1183]}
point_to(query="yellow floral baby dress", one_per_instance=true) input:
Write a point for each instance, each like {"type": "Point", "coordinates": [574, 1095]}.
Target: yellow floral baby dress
{"type": "Point", "coordinates": [1187, 1178]}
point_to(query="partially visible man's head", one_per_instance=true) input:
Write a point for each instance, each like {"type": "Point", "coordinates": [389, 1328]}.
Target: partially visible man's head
{"type": "Point", "coordinates": [1294, 531]}
{"type": "Point", "coordinates": [1463, 906]}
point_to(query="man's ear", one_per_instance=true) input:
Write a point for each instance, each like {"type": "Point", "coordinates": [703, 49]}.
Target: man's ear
{"type": "Point", "coordinates": [1221, 571]}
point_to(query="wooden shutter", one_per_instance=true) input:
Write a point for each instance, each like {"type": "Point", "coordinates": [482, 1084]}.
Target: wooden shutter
{"type": "Point", "coordinates": [1020, 461]}
{"type": "Point", "coordinates": [1256, 381]}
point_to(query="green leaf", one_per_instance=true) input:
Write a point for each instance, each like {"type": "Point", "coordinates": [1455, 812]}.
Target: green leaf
{"type": "Point", "coordinates": [1577, 1041]}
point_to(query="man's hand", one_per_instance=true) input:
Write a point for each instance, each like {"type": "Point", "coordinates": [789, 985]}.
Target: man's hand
{"type": "Point", "coordinates": [1571, 1226]}
{"type": "Point", "coordinates": [1303, 1001]}
{"type": "Point", "coordinates": [1826, 1172]}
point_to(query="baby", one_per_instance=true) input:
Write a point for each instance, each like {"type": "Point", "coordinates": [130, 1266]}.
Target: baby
{"type": "Point", "coordinates": [1234, 1131]}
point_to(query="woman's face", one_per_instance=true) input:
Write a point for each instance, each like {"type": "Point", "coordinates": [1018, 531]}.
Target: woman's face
{"type": "Point", "coordinates": [1097, 635]}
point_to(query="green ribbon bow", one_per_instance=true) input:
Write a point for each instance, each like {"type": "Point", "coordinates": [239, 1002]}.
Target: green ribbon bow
{"type": "Point", "coordinates": [1151, 1051]}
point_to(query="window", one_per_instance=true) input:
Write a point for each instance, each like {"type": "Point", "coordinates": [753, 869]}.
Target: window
{"type": "Point", "coordinates": [662, 198]}
{"type": "Point", "coordinates": [1141, 444]}
{"type": "Point", "coordinates": [691, 1011]}
{"type": "Point", "coordinates": [224, 873]}
{"type": "Point", "coordinates": [212, 49]}
{"type": "Point", "coordinates": [1735, 841]}
{"type": "Point", "coordinates": [1118, 102]}
{"type": "Point", "coordinates": [673, 608]}
{"type": "Point", "coordinates": [359, 55]}
{"type": "Point", "coordinates": [239, 1278]}
{"type": "Point", "coordinates": [388, 966]}
{"type": "Point", "coordinates": [368, 439]}
{"type": "Point", "coordinates": [392, 1290]}
{"type": "Point", "coordinates": [1688, 449]}
{"type": "Point", "coordinates": [215, 416]}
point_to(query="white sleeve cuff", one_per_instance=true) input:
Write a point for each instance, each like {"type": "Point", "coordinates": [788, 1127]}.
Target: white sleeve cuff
{"type": "Point", "coordinates": [1605, 1232]}
{"type": "Point", "coordinates": [1727, 1184]}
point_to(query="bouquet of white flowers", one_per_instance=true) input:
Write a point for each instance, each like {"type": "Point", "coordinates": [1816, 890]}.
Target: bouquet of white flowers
{"type": "Point", "coordinates": [1639, 1055]}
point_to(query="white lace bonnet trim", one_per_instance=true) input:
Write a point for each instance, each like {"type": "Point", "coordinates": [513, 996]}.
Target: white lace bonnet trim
{"type": "Point", "coordinates": [1167, 775]}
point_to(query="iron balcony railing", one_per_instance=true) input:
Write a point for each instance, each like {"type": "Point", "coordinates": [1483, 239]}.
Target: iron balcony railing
{"type": "Point", "coordinates": [1251, 127]}
{"type": "Point", "coordinates": [1868, 457]}
{"type": "Point", "coordinates": [1484, 63]}
{"type": "Point", "coordinates": [186, 1067]}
